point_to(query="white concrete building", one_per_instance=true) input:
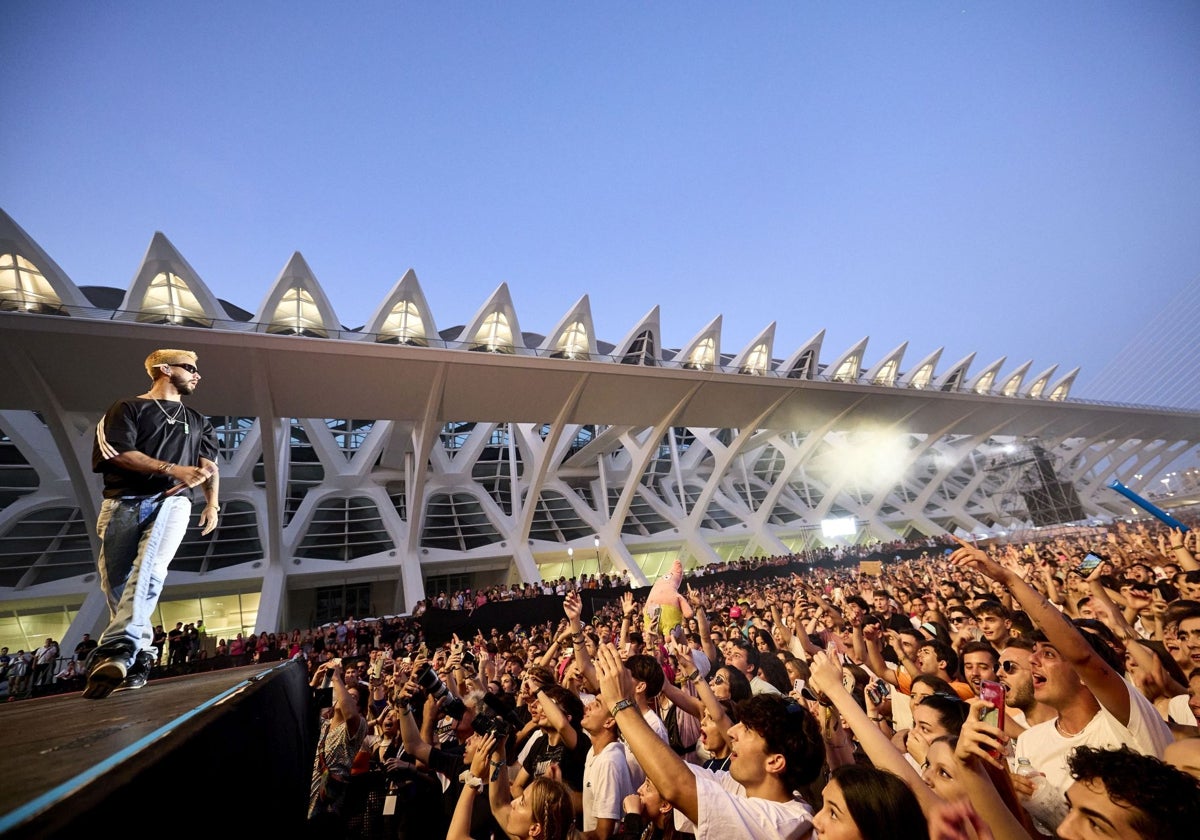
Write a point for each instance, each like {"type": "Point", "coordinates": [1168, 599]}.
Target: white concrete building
{"type": "Point", "coordinates": [362, 468]}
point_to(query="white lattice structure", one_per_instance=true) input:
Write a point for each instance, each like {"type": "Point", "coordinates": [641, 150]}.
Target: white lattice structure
{"type": "Point", "coordinates": [395, 452]}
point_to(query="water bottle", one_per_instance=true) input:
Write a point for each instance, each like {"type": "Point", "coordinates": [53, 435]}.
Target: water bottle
{"type": "Point", "coordinates": [1026, 769]}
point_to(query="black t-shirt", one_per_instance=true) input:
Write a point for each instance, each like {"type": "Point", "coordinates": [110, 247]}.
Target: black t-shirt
{"type": "Point", "coordinates": [543, 754]}
{"type": "Point", "coordinates": [146, 425]}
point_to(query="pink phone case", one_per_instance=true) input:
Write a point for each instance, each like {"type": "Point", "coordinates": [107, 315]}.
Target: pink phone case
{"type": "Point", "coordinates": [993, 692]}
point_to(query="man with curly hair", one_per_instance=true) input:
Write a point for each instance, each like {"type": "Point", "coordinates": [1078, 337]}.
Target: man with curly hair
{"type": "Point", "coordinates": [1122, 793]}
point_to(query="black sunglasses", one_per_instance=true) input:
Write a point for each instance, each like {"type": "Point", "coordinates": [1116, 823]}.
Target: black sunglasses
{"type": "Point", "coordinates": [1008, 666]}
{"type": "Point", "coordinates": [185, 366]}
{"type": "Point", "coordinates": [717, 680]}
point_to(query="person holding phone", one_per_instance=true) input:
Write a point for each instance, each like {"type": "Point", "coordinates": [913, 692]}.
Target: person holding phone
{"type": "Point", "coordinates": [941, 778]}
{"type": "Point", "coordinates": [992, 692]}
{"type": "Point", "coordinates": [343, 729]}
{"type": "Point", "coordinates": [1076, 674]}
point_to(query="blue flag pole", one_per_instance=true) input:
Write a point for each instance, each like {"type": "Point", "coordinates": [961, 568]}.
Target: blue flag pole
{"type": "Point", "coordinates": [1154, 510]}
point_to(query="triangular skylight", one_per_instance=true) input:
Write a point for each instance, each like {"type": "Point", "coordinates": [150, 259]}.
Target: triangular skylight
{"type": "Point", "coordinates": [404, 316]}
{"type": "Point", "coordinates": [755, 359]}
{"type": "Point", "coordinates": [494, 327]}
{"type": "Point", "coordinates": [1012, 383]}
{"type": "Point", "coordinates": [1061, 389]}
{"type": "Point", "coordinates": [982, 384]}
{"type": "Point", "coordinates": [921, 376]}
{"type": "Point", "coordinates": [849, 367]}
{"type": "Point", "coordinates": [166, 290]}
{"type": "Point", "coordinates": [805, 362]}
{"type": "Point", "coordinates": [888, 368]}
{"type": "Point", "coordinates": [574, 336]}
{"type": "Point", "coordinates": [296, 303]}
{"type": "Point", "coordinates": [954, 378]}
{"type": "Point", "coordinates": [702, 351]}
{"type": "Point", "coordinates": [1038, 386]}
{"type": "Point", "coordinates": [640, 345]}
{"type": "Point", "coordinates": [29, 280]}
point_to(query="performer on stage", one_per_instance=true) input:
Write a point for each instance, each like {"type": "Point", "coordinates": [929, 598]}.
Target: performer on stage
{"type": "Point", "coordinates": [152, 450]}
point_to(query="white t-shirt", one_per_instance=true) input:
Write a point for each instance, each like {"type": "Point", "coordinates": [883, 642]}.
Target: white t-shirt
{"type": "Point", "coordinates": [901, 710]}
{"type": "Point", "coordinates": [660, 729]}
{"type": "Point", "coordinates": [760, 686]}
{"type": "Point", "coordinates": [1048, 750]}
{"type": "Point", "coordinates": [1180, 711]}
{"type": "Point", "coordinates": [606, 783]}
{"type": "Point", "coordinates": [724, 811]}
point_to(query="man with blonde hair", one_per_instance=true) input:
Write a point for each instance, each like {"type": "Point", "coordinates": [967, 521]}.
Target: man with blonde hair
{"type": "Point", "coordinates": [152, 450]}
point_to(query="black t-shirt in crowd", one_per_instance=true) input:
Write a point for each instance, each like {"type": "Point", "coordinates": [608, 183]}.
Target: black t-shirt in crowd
{"type": "Point", "coordinates": [542, 754]}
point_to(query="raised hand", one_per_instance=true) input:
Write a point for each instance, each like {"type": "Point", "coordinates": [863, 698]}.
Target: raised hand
{"type": "Point", "coordinates": [483, 751]}
{"type": "Point", "coordinates": [969, 557]}
{"type": "Point", "coordinates": [958, 820]}
{"type": "Point", "coordinates": [981, 740]}
{"type": "Point", "coordinates": [627, 608]}
{"type": "Point", "coordinates": [573, 606]}
{"type": "Point", "coordinates": [683, 655]}
{"type": "Point", "coordinates": [616, 683]}
{"type": "Point", "coordinates": [825, 673]}
{"type": "Point", "coordinates": [1176, 537]}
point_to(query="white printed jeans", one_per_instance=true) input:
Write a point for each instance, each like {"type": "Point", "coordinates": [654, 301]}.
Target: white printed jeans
{"type": "Point", "coordinates": [138, 539]}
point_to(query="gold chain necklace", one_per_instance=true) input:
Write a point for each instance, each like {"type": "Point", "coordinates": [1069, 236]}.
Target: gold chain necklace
{"type": "Point", "coordinates": [171, 421]}
{"type": "Point", "coordinates": [1062, 730]}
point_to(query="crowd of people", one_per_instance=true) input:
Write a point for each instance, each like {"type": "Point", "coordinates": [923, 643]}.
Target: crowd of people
{"type": "Point", "coordinates": [465, 599]}
{"type": "Point", "coordinates": [1005, 691]}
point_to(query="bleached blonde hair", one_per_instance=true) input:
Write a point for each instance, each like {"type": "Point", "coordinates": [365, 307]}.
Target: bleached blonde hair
{"type": "Point", "coordinates": [166, 357]}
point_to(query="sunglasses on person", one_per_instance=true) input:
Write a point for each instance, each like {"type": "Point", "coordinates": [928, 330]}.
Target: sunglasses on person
{"type": "Point", "coordinates": [184, 365]}
{"type": "Point", "coordinates": [718, 680]}
{"type": "Point", "coordinates": [1009, 667]}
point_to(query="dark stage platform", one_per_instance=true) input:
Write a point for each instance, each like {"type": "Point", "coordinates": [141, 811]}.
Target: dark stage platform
{"type": "Point", "coordinates": [227, 751]}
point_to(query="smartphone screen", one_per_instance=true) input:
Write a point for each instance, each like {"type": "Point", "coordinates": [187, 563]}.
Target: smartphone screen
{"type": "Point", "coordinates": [993, 692]}
{"type": "Point", "coordinates": [1090, 562]}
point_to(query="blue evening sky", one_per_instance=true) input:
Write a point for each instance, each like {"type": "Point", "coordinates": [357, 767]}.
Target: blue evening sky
{"type": "Point", "coordinates": [1020, 179]}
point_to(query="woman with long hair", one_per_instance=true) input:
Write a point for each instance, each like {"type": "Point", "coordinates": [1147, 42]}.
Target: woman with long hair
{"type": "Point", "coordinates": [543, 810]}
{"type": "Point", "coordinates": [772, 669]}
{"type": "Point", "coordinates": [730, 684]}
{"type": "Point", "coordinates": [936, 716]}
{"type": "Point", "coordinates": [940, 718]}
{"type": "Point", "coordinates": [712, 705]}
{"type": "Point", "coordinates": [950, 763]}
{"type": "Point", "coordinates": [864, 803]}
